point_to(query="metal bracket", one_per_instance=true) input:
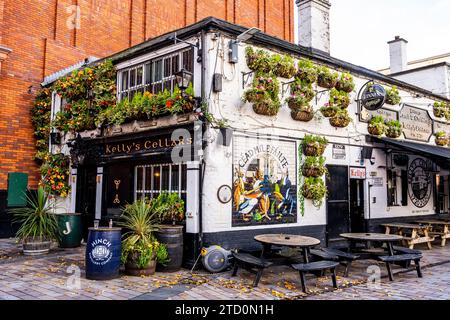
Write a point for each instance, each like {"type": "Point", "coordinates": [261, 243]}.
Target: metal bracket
{"type": "Point", "coordinates": [246, 77]}
{"type": "Point", "coordinates": [284, 85]}
{"type": "Point", "coordinates": [319, 94]}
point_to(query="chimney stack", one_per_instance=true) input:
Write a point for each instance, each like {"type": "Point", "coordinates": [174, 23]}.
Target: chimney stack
{"type": "Point", "coordinates": [398, 54]}
{"type": "Point", "coordinates": [314, 24]}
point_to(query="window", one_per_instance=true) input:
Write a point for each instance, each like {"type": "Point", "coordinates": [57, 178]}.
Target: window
{"type": "Point", "coordinates": [155, 75]}
{"type": "Point", "coordinates": [393, 188]}
{"type": "Point", "coordinates": [151, 180]}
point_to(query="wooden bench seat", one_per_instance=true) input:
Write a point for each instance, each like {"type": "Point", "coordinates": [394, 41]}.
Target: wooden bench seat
{"type": "Point", "coordinates": [323, 265]}
{"type": "Point", "coordinates": [332, 254]}
{"type": "Point", "coordinates": [250, 262]}
{"type": "Point", "coordinates": [401, 258]}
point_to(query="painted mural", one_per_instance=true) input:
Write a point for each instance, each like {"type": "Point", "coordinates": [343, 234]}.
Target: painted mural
{"type": "Point", "coordinates": [264, 186]}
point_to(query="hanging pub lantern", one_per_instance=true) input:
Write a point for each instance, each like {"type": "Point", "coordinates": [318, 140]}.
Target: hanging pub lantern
{"type": "Point", "coordinates": [183, 78]}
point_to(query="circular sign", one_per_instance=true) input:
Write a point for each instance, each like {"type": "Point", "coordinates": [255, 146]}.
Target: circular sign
{"type": "Point", "coordinates": [224, 194]}
{"type": "Point", "coordinates": [419, 183]}
{"type": "Point", "coordinates": [373, 97]}
{"type": "Point", "coordinates": [100, 253]}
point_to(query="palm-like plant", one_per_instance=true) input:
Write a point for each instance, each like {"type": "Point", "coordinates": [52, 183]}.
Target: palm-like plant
{"type": "Point", "coordinates": [37, 219]}
{"type": "Point", "coordinates": [140, 221]}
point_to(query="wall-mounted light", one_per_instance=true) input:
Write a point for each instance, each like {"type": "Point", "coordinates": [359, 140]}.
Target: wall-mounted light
{"type": "Point", "coordinates": [183, 78]}
{"type": "Point", "coordinates": [234, 44]}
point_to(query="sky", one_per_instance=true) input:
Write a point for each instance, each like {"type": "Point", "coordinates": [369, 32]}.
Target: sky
{"type": "Point", "coordinates": [360, 29]}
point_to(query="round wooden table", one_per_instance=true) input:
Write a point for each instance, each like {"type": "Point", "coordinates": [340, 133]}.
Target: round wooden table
{"type": "Point", "coordinates": [374, 237]}
{"type": "Point", "coordinates": [287, 240]}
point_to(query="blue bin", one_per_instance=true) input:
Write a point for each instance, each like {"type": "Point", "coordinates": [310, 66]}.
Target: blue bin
{"type": "Point", "coordinates": [103, 250]}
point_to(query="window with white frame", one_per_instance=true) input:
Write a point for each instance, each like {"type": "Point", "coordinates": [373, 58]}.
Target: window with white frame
{"type": "Point", "coordinates": [154, 75]}
{"type": "Point", "coordinates": [151, 180]}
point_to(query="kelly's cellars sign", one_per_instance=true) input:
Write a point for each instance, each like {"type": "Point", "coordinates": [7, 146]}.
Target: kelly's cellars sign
{"type": "Point", "coordinates": [145, 145]}
{"type": "Point", "coordinates": [417, 123]}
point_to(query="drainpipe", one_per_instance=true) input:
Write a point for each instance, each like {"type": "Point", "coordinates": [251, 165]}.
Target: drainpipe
{"type": "Point", "coordinates": [204, 127]}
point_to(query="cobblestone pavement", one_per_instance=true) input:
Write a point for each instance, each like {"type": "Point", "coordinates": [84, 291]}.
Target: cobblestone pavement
{"type": "Point", "coordinates": [60, 275]}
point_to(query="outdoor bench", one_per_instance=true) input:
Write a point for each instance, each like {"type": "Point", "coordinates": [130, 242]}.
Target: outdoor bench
{"type": "Point", "coordinates": [250, 262]}
{"type": "Point", "coordinates": [331, 254]}
{"type": "Point", "coordinates": [404, 250]}
{"type": "Point", "coordinates": [312, 267]}
{"type": "Point", "coordinates": [402, 258]}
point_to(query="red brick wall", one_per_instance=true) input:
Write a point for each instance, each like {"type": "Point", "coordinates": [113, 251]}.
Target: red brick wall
{"type": "Point", "coordinates": [37, 31]}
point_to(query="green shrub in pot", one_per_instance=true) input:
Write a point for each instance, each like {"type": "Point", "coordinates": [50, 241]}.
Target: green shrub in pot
{"type": "Point", "coordinates": [139, 246]}
{"type": "Point", "coordinates": [38, 224]}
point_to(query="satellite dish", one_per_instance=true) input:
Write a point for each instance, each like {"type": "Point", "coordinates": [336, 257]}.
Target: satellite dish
{"type": "Point", "coordinates": [216, 259]}
{"type": "Point", "coordinates": [373, 96]}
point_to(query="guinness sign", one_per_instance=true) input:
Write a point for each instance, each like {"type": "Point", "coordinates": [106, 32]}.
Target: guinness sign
{"type": "Point", "coordinates": [373, 96]}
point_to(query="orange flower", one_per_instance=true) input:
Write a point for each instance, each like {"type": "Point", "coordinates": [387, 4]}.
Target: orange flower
{"type": "Point", "coordinates": [169, 104]}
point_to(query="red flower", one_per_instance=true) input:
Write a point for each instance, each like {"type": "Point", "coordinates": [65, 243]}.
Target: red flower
{"type": "Point", "coordinates": [169, 104]}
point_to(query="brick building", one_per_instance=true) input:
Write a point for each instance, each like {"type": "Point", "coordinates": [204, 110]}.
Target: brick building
{"type": "Point", "coordinates": [38, 38]}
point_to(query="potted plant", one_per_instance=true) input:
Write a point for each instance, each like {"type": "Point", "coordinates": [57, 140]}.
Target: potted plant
{"type": "Point", "coordinates": [345, 83]}
{"type": "Point", "coordinates": [314, 145]}
{"type": "Point", "coordinates": [439, 109]}
{"type": "Point", "coordinates": [393, 96]}
{"type": "Point", "coordinates": [314, 167]}
{"type": "Point", "coordinates": [38, 225]}
{"type": "Point", "coordinates": [441, 138]}
{"type": "Point", "coordinates": [307, 71]}
{"type": "Point", "coordinates": [328, 111]}
{"type": "Point", "coordinates": [304, 113]}
{"type": "Point", "coordinates": [326, 78]}
{"type": "Point", "coordinates": [314, 189]}
{"type": "Point", "coordinates": [170, 209]}
{"type": "Point", "coordinates": [139, 246]}
{"type": "Point", "coordinates": [258, 60]}
{"type": "Point", "coordinates": [264, 95]}
{"type": "Point", "coordinates": [303, 88]}
{"type": "Point", "coordinates": [283, 66]}
{"type": "Point", "coordinates": [339, 99]}
{"type": "Point", "coordinates": [393, 129]}
{"type": "Point", "coordinates": [341, 119]}
{"type": "Point", "coordinates": [376, 126]}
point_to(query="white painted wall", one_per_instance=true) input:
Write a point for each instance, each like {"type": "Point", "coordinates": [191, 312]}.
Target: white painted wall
{"type": "Point", "coordinates": [228, 105]}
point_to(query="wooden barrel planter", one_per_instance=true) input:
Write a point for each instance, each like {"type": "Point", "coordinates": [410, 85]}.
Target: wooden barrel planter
{"type": "Point", "coordinates": [69, 225]}
{"type": "Point", "coordinates": [103, 252]}
{"type": "Point", "coordinates": [36, 247]}
{"type": "Point", "coordinates": [132, 269]}
{"type": "Point", "coordinates": [172, 237]}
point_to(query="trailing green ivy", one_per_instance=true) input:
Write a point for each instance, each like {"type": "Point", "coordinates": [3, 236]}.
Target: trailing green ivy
{"type": "Point", "coordinates": [40, 117]}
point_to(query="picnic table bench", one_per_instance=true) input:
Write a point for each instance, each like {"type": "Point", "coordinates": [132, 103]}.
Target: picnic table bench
{"type": "Point", "coordinates": [332, 254]}
{"type": "Point", "coordinates": [250, 262]}
{"type": "Point", "coordinates": [439, 228]}
{"type": "Point", "coordinates": [412, 233]}
{"type": "Point", "coordinates": [402, 258]}
{"type": "Point", "coordinates": [320, 266]}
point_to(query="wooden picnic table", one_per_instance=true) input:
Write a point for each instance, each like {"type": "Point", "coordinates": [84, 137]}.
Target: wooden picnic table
{"type": "Point", "coordinates": [412, 233]}
{"type": "Point", "coordinates": [440, 228]}
{"type": "Point", "coordinates": [287, 240]}
{"type": "Point", "coordinates": [374, 237]}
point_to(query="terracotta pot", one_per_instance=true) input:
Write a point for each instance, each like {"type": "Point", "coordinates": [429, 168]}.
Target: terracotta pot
{"type": "Point", "coordinates": [263, 108]}
{"type": "Point", "coordinates": [304, 116]}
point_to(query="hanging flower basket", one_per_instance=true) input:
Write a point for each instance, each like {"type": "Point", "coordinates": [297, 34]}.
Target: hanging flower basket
{"type": "Point", "coordinates": [313, 171]}
{"type": "Point", "coordinates": [340, 120]}
{"type": "Point", "coordinates": [441, 139]}
{"type": "Point", "coordinates": [302, 115]}
{"type": "Point", "coordinates": [375, 130]}
{"type": "Point", "coordinates": [345, 83]}
{"type": "Point", "coordinates": [313, 148]}
{"type": "Point", "coordinates": [393, 129]}
{"type": "Point", "coordinates": [265, 108]}
{"type": "Point", "coordinates": [307, 71]}
{"type": "Point", "coordinates": [296, 103]}
{"type": "Point", "coordinates": [328, 111]}
{"type": "Point", "coordinates": [314, 189]}
{"type": "Point", "coordinates": [326, 78]}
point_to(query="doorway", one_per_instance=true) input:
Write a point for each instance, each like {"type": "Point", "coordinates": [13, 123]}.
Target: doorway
{"type": "Point", "coordinates": [357, 222]}
{"type": "Point", "coordinates": [86, 193]}
{"type": "Point", "coordinates": [338, 217]}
